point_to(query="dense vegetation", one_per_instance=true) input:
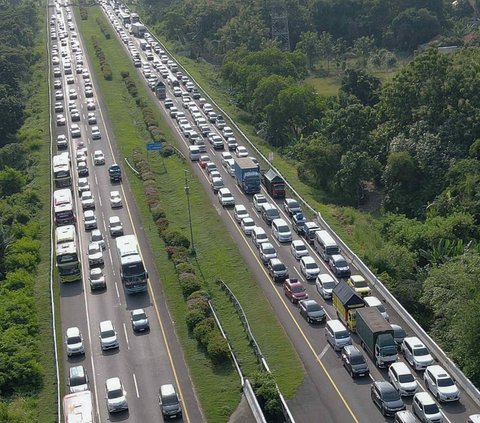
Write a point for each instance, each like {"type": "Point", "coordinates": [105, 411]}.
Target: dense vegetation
{"type": "Point", "coordinates": [23, 135]}
{"type": "Point", "coordinates": [414, 141]}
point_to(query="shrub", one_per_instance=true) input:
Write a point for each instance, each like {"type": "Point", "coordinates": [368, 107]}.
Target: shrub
{"type": "Point", "coordinates": [185, 267]}
{"type": "Point", "coordinates": [83, 13]}
{"type": "Point", "coordinates": [217, 348]}
{"type": "Point", "coordinates": [162, 225]}
{"type": "Point", "coordinates": [125, 74]}
{"type": "Point", "coordinates": [188, 283]}
{"type": "Point", "coordinates": [265, 389]}
{"type": "Point", "coordinates": [193, 318]}
{"type": "Point", "coordinates": [203, 329]}
{"type": "Point", "coordinates": [199, 303]}
{"type": "Point", "coordinates": [180, 256]}
{"type": "Point", "coordinates": [199, 294]}
{"type": "Point", "coordinates": [157, 212]}
{"type": "Point", "coordinates": [177, 239]}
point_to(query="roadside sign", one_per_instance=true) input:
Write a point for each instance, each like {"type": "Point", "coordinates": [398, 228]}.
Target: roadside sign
{"type": "Point", "coordinates": [154, 146]}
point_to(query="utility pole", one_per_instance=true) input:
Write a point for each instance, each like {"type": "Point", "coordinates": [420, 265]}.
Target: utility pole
{"type": "Point", "coordinates": [187, 192]}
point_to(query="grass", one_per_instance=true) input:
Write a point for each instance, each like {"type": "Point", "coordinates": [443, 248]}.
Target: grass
{"type": "Point", "coordinates": [217, 255]}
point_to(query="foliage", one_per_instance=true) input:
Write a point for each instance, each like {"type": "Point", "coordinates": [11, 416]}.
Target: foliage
{"type": "Point", "coordinates": [265, 389]}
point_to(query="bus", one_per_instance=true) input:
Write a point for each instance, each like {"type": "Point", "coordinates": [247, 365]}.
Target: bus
{"type": "Point", "coordinates": [132, 271]}
{"type": "Point", "coordinates": [63, 207]}
{"type": "Point", "coordinates": [78, 407]}
{"type": "Point", "coordinates": [66, 252]}
{"type": "Point", "coordinates": [125, 18]}
{"type": "Point", "coordinates": [61, 170]}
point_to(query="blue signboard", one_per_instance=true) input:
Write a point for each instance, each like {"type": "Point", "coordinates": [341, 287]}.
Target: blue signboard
{"type": "Point", "coordinates": [154, 146]}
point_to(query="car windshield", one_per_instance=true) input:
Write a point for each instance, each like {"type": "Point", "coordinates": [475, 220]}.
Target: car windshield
{"type": "Point", "coordinates": [341, 334]}
{"type": "Point", "coordinates": [139, 316]}
{"type": "Point", "coordinates": [329, 285]}
{"type": "Point", "coordinates": [108, 333]}
{"type": "Point", "coordinates": [357, 359]}
{"type": "Point", "coordinates": [399, 333]}
{"type": "Point", "coordinates": [341, 263]}
{"type": "Point", "coordinates": [249, 223]}
{"type": "Point", "coordinates": [298, 288]}
{"type": "Point", "coordinates": [269, 250]}
{"type": "Point", "coordinates": [115, 393]}
{"type": "Point", "coordinates": [312, 307]}
{"type": "Point", "coordinates": [446, 381]}
{"type": "Point", "coordinates": [133, 269]}
{"type": "Point", "coordinates": [272, 213]}
{"type": "Point", "coordinates": [391, 395]}
{"type": "Point", "coordinates": [283, 229]}
{"type": "Point", "coordinates": [420, 351]}
{"type": "Point", "coordinates": [311, 266]}
{"type": "Point", "coordinates": [406, 378]}
{"type": "Point", "coordinates": [279, 267]}
{"type": "Point", "coordinates": [431, 409]}
{"type": "Point", "coordinates": [301, 247]}
{"type": "Point", "coordinates": [358, 284]}
{"type": "Point", "coordinates": [74, 340]}
{"type": "Point", "coordinates": [170, 400]}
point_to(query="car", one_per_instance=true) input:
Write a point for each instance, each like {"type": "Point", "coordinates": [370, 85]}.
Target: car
{"type": "Point", "coordinates": [247, 224]}
{"type": "Point", "coordinates": [82, 168]}
{"type": "Point", "coordinates": [91, 105]}
{"type": "Point", "coordinates": [203, 161]}
{"type": "Point", "coordinates": [77, 379]}
{"type": "Point", "coordinates": [177, 91]}
{"type": "Point", "coordinates": [399, 334]}
{"type": "Point", "coordinates": [232, 143]}
{"type": "Point", "coordinates": [108, 335]}
{"type": "Point", "coordinates": [386, 397]}
{"type": "Point", "coordinates": [354, 361]}
{"type": "Point", "coordinates": [291, 206]}
{"type": "Point", "coordinates": [96, 236]}
{"type": "Point", "coordinates": [281, 231]}
{"type": "Point", "coordinates": [371, 301]}
{"type": "Point", "coordinates": [95, 254]}
{"type": "Point", "coordinates": [72, 105]}
{"type": "Point", "coordinates": [139, 320]}
{"type": "Point", "coordinates": [216, 142]}
{"type": "Point", "coordinates": [220, 122]}
{"type": "Point", "coordinates": [216, 184]}
{"type": "Point", "coordinates": [91, 118]}
{"type": "Point", "coordinates": [402, 379]}
{"type": "Point", "coordinates": [173, 112]}
{"type": "Point", "coordinates": [96, 135]}
{"type": "Point", "coordinates": [87, 200]}
{"type": "Point", "coordinates": [169, 402]}
{"type": "Point", "coordinates": [416, 353]}
{"type": "Point", "coordinates": [115, 395]}
{"type": "Point", "coordinates": [62, 141]}
{"type": "Point", "coordinates": [239, 212]}
{"type": "Point", "coordinates": [75, 115]}
{"type": "Point", "coordinates": [241, 151]}
{"type": "Point", "coordinates": [96, 279]}
{"type": "Point", "coordinates": [269, 213]}
{"type": "Point", "coordinates": [230, 167]}
{"type": "Point", "coordinates": [339, 266]}
{"type": "Point", "coordinates": [168, 102]}
{"type": "Point", "coordinates": [58, 95]}
{"type": "Point", "coordinates": [426, 409]}
{"type": "Point", "coordinates": [227, 132]}
{"type": "Point", "coordinates": [83, 185]}
{"type": "Point", "coordinates": [298, 249]}
{"type": "Point", "coordinates": [58, 107]}
{"type": "Point", "coordinates": [98, 157]}
{"type": "Point", "coordinates": [225, 197]}
{"type": "Point", "coordinates": [70, 80]}
{"type": "Point", "coordinates": [298, 223]}
{"type": "Point", "coordinates": [57, 84]}
{"type": "Point", "coordinates": [311, 311]}
{"type": "Point", "coordinates": [277, 270]}
{"type": "Point", "coordinates": [211, 115]}
{"type": "Point", "coordinates": [360, 285]}
{"type": "Point", "coordinates": [309, 267]}
{"type": "Point", "coordinates": [74, 342]}
{"type": "Point", "coordinates": [210, 167]}
{"type": "Point", "coordinates": [440, 384]}
{"type": "Point", "coordinates": [115, 226]}
{"type": "Point", "coordinates": [72, 94]}
{"type": "Point", "coordinates": [325, 284]}
{"type": "Point", "coordinates": [226, 155]}
{"type": "Point", "coordinates": [61, 120]}
{"type": "Point", "coordinates": [89, 220]}
{"type": "Point", "coordinates": [294, 290]}
{"type": "Point", "coordinates": [75, 131]}
{"type": "Point", "coordinates": [115, 199]}
{"type": "Point", "coordinates": [266, 251]}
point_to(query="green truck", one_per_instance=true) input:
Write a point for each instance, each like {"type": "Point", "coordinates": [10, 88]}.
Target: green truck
{"type": "Point", "coordinates": [376, 336]}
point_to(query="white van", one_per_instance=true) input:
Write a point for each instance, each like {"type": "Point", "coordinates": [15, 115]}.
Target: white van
{"type": "Point", "coordinates": [337, 334]}
{"type": "Point", "coordinates": [325, 245]}
{"type": "Point", "coordinates": [371, 301]}
{"type": "Point", "coordinates": [281, 230]}
{"type": "Point", "coordinates": [169, 402]}
{"type": "Point", "coordinates": [194, 153]}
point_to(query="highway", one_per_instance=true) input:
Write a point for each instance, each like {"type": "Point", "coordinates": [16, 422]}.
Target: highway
{"type": "Point", "coordinates": [328, 390]}
{"type": "Point", "coordinates": [144, 360]}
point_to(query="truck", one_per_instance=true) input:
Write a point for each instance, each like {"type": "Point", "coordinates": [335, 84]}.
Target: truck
{"type": "Point", "coordinates": [274, 183]}
{"type": "Point", "coordinates": [247, 175]}
{"type": "Point", "coordinates": [138, 29]}
{"type": "Point", "coordinates": [78, 407]}
{"type": "Point", "coordinates": [376, 336]}
{"type": "Point", "coordinates": [346, 303]}
{"type": "Point", "coordinates": [160, 89]}
{"type": "Point", "coordinates": [115, 173]}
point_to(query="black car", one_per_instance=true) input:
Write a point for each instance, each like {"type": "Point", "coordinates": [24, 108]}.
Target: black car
{"type": "Point", "coordinates": [269, 213]}
{"type": "Point", "coordinates": [339, 266]}
{"type": "Point", "coordinates": [291, 206]}
{"type": "Point", "coordinates": [354, 361]}
{"type": "Point", "coordinates": [311, 311]}
{"type": "Point", "coordinates": [387, 398]}
{"type": "Point", "coordinates": [277, 270]}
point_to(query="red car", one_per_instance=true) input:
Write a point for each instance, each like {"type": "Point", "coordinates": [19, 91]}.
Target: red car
{"type": "Point", "coordinates": [203, 161]}
{"type": "Point", "coordinates": [294, 290]}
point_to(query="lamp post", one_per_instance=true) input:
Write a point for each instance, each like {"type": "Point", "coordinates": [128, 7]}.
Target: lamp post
{"type": "Point", "coordinates": [187, 192]}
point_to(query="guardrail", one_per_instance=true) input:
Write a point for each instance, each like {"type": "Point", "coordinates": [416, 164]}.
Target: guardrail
{"type": "Point", "coordinates": [131, 167]}
{"type": "Point", "coordinates": [429, 342]}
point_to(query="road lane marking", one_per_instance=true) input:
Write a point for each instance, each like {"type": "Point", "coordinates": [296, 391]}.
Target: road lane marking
{"type": "Point", "coordinates": [324, 351]}
{"type": "Point", "coordinates": [116, 289]}
{"type": "Point", "coordinates": [126, 336]}
{"type": "Point", "coordinates": [136, 386]}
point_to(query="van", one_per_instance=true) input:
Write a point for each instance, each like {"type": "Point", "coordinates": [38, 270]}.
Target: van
{"type": "Point", "coordinates": [281, 231]}
{"type": "Point", "coordinates": [404, 416]}
{"type": "Point", "coordinates": [337, 334]}
{"type": "Point", "coordinates": [194, 153]}
{"type": "Point", "coordinates": [77, 379]}
{"type": "Point", "coordinates": [325, 245]}
{"type": "Point", "coordinates": [200, 144]}
{"type": "Point", "coordinates": [173, 82]}
{"type": "Point", "coordinates": [371, 301]}
{"type": "Point", "coordinates": [474, 418]}
{"type": "Point", "coordinates": [169, 402]}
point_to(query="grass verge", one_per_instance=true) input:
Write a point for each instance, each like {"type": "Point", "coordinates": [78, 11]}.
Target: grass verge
{"type": "Point", "coordinates": [217, 255]}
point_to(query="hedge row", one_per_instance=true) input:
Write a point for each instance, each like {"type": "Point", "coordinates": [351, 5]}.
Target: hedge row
{"type": "Point", "coordinates": [198, 318]}
{"type": "Point", "coordinates": [148, 115]}
{"type": "Point", "coordinates": [104, 65]}
{"type": "Point", "coordinates": [104, 28]}
{"type": "Point", "coordinates": [83, 13]}
{"type": "Point", "coordinates": [266, 391]}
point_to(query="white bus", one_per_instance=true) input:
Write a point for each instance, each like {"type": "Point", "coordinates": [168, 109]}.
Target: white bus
{"type": "Point", "coordinates": [61, 170]}
{"type": "Point", "coordinates": [63, 207]}
{"type": "Point", "coordinates": [132, 270]}
{"type": "Point", "coordinates": [66, 253]}
{"type": "Point", "coordinates": [325, 245]}
{"type": "Point", "coordinates": [78, 407]}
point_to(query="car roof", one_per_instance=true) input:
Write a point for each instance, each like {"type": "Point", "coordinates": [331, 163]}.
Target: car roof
{"type": "Point", "coordinates": [73, 331]}
{"type": "Point", "coordinates": [113, 383]}
{"type": "Point", "coordinates": [438, 371]}
{"type": "Point", "coordinates": [352, 350]}
{"type": "Point", "coordinates": [224, 191]}
{"type": "Point", "coordinates": [400, 367]}
{"type": "Point", "coordinates": [424, 398]}
{"type": "Point", "coordinates": [384, 385]}
{"type": "Point", "coordinates": [308, 259]}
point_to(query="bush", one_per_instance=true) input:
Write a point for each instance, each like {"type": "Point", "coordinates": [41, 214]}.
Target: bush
{"type": "Point", "coordinates": [193, 318]}
{"type": "Point", "coordinates": [176, 238]}
{"type": "Point", "coordinates": [83, 13]}
{"type": "Point", "coordinates": [200, 303]}
{"type": "Point", "coordinates": [185, 267]}
{"type": "Point", "coordinates": [162, 225]}
{"type": "Point", "coordinates": [188, 283]}
{"type": "Point", "coordinates": [263, 385]}
{"type": "Point", "coordinates": [217, 348]}
{"type": "Point", "coordinates": [203, 329]}
{"type": "Point", "coordinates": [199, 294]}
{"type": "Point", "coordinates": [125, 74]}
{"type": "Point", "coordinates": [157, 212]}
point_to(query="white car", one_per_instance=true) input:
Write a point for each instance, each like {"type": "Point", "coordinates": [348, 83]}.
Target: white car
{"type": "Point", "coordinates": [83, 185]}
{"type": "Point", "coordinates": [62, 141]}
{"type": "Point", "coordinates": [298, 249]}
{"type": "Point", "coordinates": [440, 384]}
{"type": "Point", "coordinates": [115, 395]}
{"type": "Point", "coordinates": [402, 379]}
{"type": "Point", "coordinates": [115, 199]}
{"type": "Point", "coordinates": [91, 118]}
{"type": "Point", "coordinates": [75, 131]}
{"type": "Point", "coordinates": [74, 341]}
{"type": "Point", "coordinates": [95, 254]}
{"type": "Point", "coordinates": [325, 284]}
{"type": "Point", "coordinates": [96, 236]}
{"type": "Point", "coordinates": [96, 135]}
{"type": "Point", "coordinates": [241, 151]}
{"type": "Point", "coordinates": [91, 105]}
{"type": "Point", "coordinates": [87, 200]}
{"type": "Point", "coordinates": [115, 226]}
{"type": "Point", "coordinates": [247, 224]}
{"type": "Point", "coordinates": [425, 407]}
{"type": "Point", "coordinates": [72, 94]}
{"type": "Point", "coordinates": [98, 157]}
{"type": "Point", "coordinates": [309, 268]}
{"type": "Point", "coordinates": [225, 197]}
{"type": "Point", "coordinates": [226, 155]}
{"type": "Point", "coordinates": [239, 212]}
{"type": "Point", "coordinates": [258, 201]}
{"type": "Point", "coordinates": [177, 91]}
{"type": "Point", "coordinates": [61, 120]}
{"type": "Point", "coordinates": [266, 251]}
{"type": "Point", "coordinates": [89, 220]}
{"type": "Point", "coordinates": [416, 353]}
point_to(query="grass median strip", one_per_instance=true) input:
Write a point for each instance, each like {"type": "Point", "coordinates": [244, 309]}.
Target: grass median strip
{"type": "Point", "coordinates": [217, 254]}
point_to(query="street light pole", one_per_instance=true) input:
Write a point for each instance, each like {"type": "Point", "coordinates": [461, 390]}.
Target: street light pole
{"type": "Point", "coordinates": [187, 192]}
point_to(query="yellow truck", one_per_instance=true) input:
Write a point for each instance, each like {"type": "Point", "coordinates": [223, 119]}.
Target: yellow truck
{"type": "Point", "coordinates": [346, 301]}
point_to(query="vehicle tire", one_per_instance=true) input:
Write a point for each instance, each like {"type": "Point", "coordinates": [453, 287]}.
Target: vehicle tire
{"type": "Point", "coordinates": [383, 411]}
{"type": "Point", "coordinates": [309, 320]}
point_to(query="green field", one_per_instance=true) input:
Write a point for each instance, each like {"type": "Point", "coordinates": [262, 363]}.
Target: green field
{"type": "Point", "coordinates": [217, 255]}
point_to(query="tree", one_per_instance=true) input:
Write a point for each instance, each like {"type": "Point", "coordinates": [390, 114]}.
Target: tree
{"type": "Point", "coordinates": [11, 112]}
{"type": "Point", "coordinates": [309, 44]}
{"type": "Point", "coordinates": [363, 47]}
{"type": "Point", "coordinates": [11, 181]}
{"type": "Point", "coordinates": [326, 49]}
{"type": "Point", "coordinates": [267, 91]}
{"type": "Point", "coordinates": [362, 85]}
